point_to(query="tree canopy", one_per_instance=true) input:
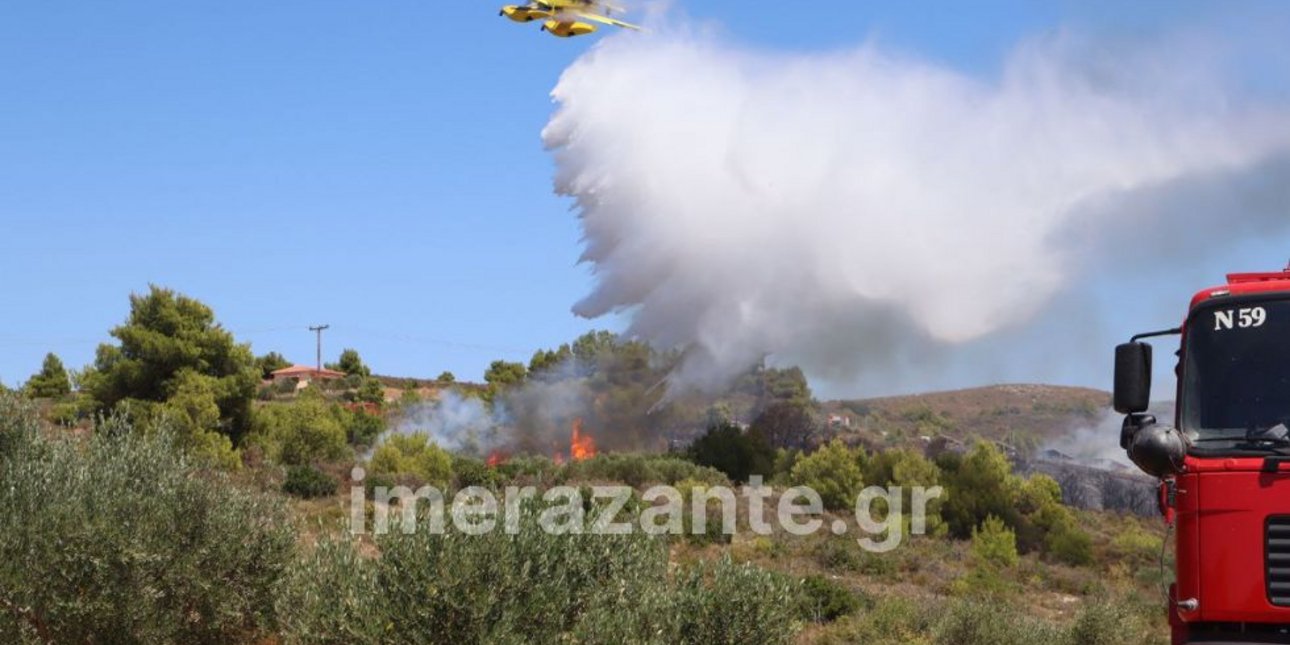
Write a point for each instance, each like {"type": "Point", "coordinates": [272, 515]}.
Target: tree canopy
{"type": "Point", "coordinates": [350, 363]}
{"type": "Point", "coordinates": [166, 335]}
{"type": "Point", "coordinates": [51, 381]}
{"type": "Point", "coordinates": [737, 453]}
{"type": "Point", "coordinates": [270, 363]}
{"type": "Point", "coordinates": [787, 424]}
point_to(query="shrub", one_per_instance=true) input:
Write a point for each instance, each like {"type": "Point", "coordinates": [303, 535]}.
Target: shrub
{"type": "Point", "coordinates": [286, 386]}
{"type": "Point", "coordinates": [824, 600]}
{"type": "Point", "coordinates": [982, 485]}
{"type": "Point", "coordinates": [413, 454]}
{"type": "Point", "coordinates": [330, 599]}
{"type": "Point", "coordinates": [191, 414]}
{"type": "Point", "coordinates": [373, 481]}
{"type": "Point", "coordinates": [1136, 546]}
{"type": "Point", "coordinates": [371, 390]}
{"type": "Point", "coordinates": [713, 529]}
{"type": "Point", "coordinates": [307, 430]}
{"type": "Point", "coordinates": [361, 428]}
{"type": "Point", "coordinates": [473, 472]}
{"type": "Point", "coordinates": [1070, 545]}
{"type": "Point", "coordinates": [118, 538]}
{"type": "Point", "coordinates": [730, 603]}
{"type": "Point", "coordinates": [638, 470]}
{"type": "Point", "coordinates": [733, 451]}
{"type": "Point", "coordinates": [839, 555]}
{"type": "Point", "coordinates": [892, 621]}
{"type": "Point", "coordinates": [309, 482]}
{"type": "Point", "coordinates": [1103, 623]}
{"type": "Point", "coordinates": [833, 472]}
{"type": "Point", "coordinates": [984, 622]}
{"type": "Point", "coordinates": [536, 469]}
{"type": "Point", "coordinates": [18, 422]}
{"type": "Point", "coordinates": [994, 545]}
{"type": "Point", "coordinates": [531, 587]}
{"type": "Point", "coordinates": [1051, 526]}
{"type": "Point", "coordinates": [51, 382]}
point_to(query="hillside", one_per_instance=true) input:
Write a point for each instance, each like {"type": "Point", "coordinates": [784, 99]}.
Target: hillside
{"type": "Point", "coordinates": [1025, 416]}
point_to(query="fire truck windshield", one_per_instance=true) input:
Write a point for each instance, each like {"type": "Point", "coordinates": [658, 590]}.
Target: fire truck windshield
{"type": "Point", "coordinates": [1236, 373]}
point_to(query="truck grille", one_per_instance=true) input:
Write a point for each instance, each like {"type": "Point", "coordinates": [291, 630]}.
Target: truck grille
{"type": "Point", "coordinates": [1277, 559]}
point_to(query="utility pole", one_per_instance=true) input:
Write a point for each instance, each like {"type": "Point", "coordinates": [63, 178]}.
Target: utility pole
{"type": "Point", "coordinates": [319, 330]}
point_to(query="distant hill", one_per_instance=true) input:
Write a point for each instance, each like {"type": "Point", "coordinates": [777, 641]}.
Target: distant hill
{"type": "Point", "coordinates": [1025, 416]}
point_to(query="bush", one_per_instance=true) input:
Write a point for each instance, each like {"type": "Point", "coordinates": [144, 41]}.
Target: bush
{"type": "Point", "coordinates": [832, 471]}
{"type": "Point", "coordinates": [535, 469]}
{"type": "Point", "coordinates": [374, 481]}
{"type": "Point", "coordinates": [413, 454]}
{"type": "Point", "coordinates": [286, 386]}
{"type": "Point", "coordinates": [469, 471]}
{"type": "Point", "coordinates": [733, 451]}
{"type": "Point", "coordinates": [18, 422]}
{"type": "Point", "coordinates": [305, 431]}
{"type": "Point", "coordinates": [361, 428]}
{"type": "Point", "coordinates": [839, 555]}
{"type": "Point", "coordinates": [994, 545]}
{"type": "Point", "coordinates": [51, 382]}
{"type": "Point", "coordinates": [1051, 526]}
{"type": "Point", "coordinates": [730, 603]}
{"type": "Point", "coordinates": [983, 622]}
{"type": "Point", "coordinates": [907, 469]}
{"type": "Point", "coordinates": [981, 485]}
{"type": "Point", "coordinates": [371, 390]}
{"type": "Point", "coordinates": [117, 538]}
{"type": "Point", "coordinates": [533, 587]}
{"type": "Point", "coordinates": [1069, 544]}
{"type": "Point", "coordinates": [309, 482]}
{"type": "Point", "coordinates": [638, 470]}
{"type": "Point", "coordinates": [1103, 623]}
{"type": "Point", "coordinates": [1136, 546]}
{"type": "Point", "coordinates": [824, 600]}
{"type": "Point", "coordinates": [713, 529]}
{"type": "Point", "coordinates": [329, 599]}
{"type": "Point", "coordinates": [892, 621]}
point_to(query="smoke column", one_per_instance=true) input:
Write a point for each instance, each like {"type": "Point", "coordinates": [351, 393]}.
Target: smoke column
{"type": "Point", "coordinates": [882, 220]}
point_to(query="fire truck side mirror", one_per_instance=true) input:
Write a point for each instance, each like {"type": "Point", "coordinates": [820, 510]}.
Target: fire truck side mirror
{"type": "Point", "coordinates": [1132, 378]}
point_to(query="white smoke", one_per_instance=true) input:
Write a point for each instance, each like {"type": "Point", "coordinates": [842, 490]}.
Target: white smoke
{"type": "Point", "coordinates": [866, 214]}
{"type": "Point", "coordinates": [1097, 444]}
{"type": "Point", "coordinates": [535, 417]}
{"type": "Point", "coordinates": [1094, 444]}
{"type": "Point", "coordinates": [454, 422]}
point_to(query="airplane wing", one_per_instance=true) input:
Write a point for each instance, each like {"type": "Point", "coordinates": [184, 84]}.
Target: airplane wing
{"type": "Point", "coordinates": [605, 20]}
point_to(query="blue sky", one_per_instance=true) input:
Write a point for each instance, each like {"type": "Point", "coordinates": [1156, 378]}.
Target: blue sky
{"type": "Point", "coordinates": [371, 165]}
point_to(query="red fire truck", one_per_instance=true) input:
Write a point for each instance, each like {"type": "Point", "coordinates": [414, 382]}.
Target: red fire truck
{"type": "Point", "coordinates": [1224, 462]}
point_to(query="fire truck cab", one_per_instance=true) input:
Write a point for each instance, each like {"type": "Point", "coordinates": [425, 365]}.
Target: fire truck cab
{"type": "Point", "coordinates": [1223, 460]}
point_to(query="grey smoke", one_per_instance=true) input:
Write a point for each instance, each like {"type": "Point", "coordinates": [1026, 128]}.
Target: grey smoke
{"type": "Point", "coordinates": [885, 221]}
{"type": "Point", "coordinates": [534, 418]}
{"type": "Point", "coordinates": [454, 422]}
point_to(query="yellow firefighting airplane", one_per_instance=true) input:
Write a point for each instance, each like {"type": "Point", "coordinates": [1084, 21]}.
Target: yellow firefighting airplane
{"type": "Point", "coordinates": [566, 18]}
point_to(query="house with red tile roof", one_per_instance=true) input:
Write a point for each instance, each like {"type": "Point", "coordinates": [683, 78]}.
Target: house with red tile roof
{"type": "Point", "coordinates": [304, 374]}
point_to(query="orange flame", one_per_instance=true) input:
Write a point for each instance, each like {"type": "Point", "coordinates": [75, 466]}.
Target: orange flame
{"type": "Point", "coordinates": [496, 458]}
{"type": "Point", "coordinates": [581, 446]}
